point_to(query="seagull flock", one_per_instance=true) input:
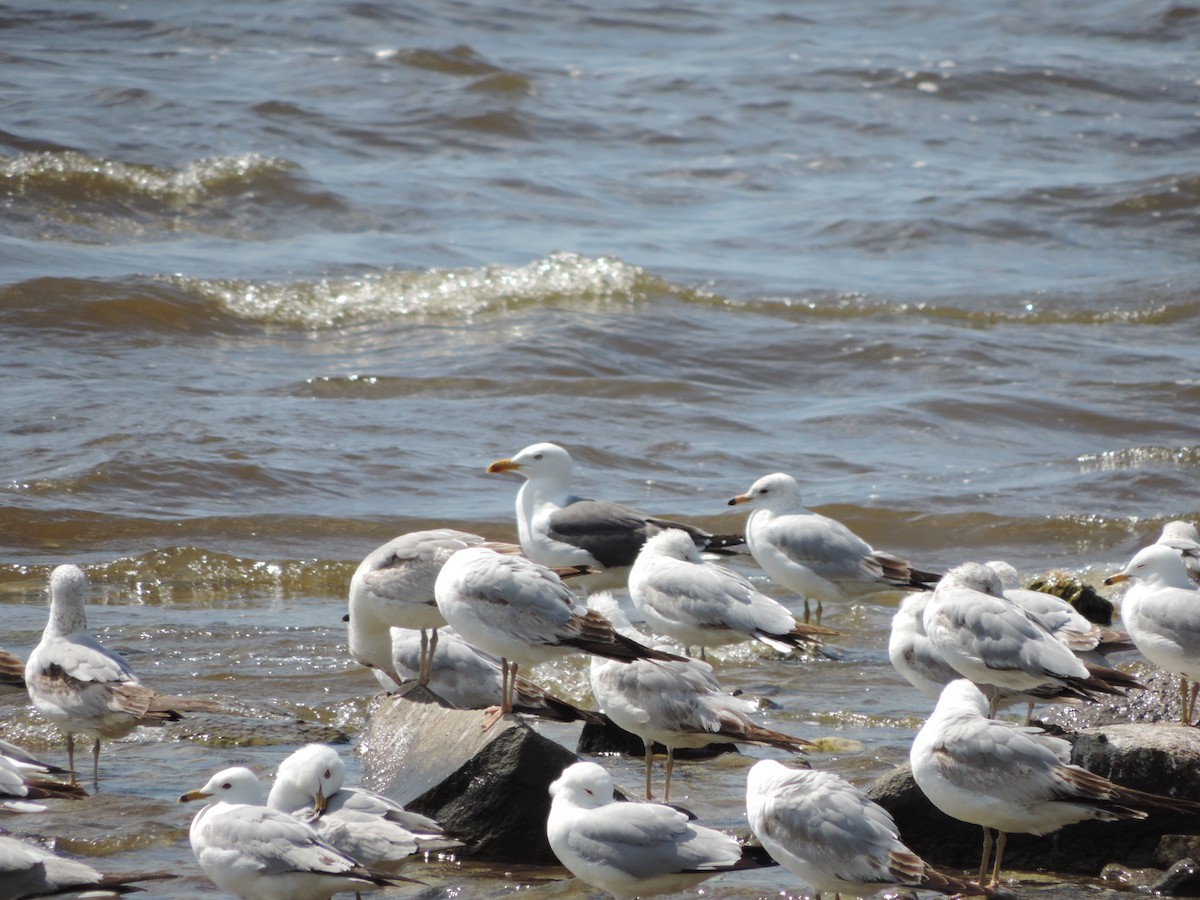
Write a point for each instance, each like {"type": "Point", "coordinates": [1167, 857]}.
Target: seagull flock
{"type": "Point", "coordinates": [466, 619]}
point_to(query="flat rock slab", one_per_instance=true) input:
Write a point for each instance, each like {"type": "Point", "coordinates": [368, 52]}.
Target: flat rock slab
{"type": "Point", "coordinates": [1159, 759]}
{"type": "Point", "coordinates": [489, 788]}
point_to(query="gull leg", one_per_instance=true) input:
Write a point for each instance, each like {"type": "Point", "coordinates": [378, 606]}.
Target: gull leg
{"type": "Point", "coordinates": [819, 611]}
{"type": "Point", "coordinates": [806, 613]}
{"type": "Point", "coordinates": [96, 764]}
{"type": "Point", "coordinates": [1192, 703]}
{"type": "Point", "coordinates": [433, 639]}
{"type": "Point", "coordinates": [1183, 700]}
{"type": "Point", "coordinates": [496, 713]}
{"type": "Point", "coordinates": [1029, 715]}
{"type": "Point", "coordinates": [423, 659]}
{"type": "Point", "coordinates": [649, 767]}
{"type": "Point", "coordinates": [987, 852]}
{"type": "Point", "coordinates": [670, 767]}
{"type": "Point", "coordinates": [71, 757]}
{"type": "Point", "coordinates": [1001, 840]}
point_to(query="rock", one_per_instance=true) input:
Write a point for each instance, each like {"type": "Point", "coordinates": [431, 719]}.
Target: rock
{"type": "Point", "coordinates": [488, 788]}
{"type": "Point", "coordinates": [1153, 758]}
{"type": "Point", "coordinates": [1181, 880]}
{"type": "Point", "coordinates": [1174, 847]}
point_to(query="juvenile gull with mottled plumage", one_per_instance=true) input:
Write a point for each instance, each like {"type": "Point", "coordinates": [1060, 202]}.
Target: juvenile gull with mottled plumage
{"type": "Point", "coordinates": [83, 688]}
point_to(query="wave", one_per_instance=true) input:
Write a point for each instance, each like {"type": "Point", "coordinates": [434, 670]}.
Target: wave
{"type": "Point", "coordinates": [561, 280]}
{"type": "Point", "coordinates": [68, 195]}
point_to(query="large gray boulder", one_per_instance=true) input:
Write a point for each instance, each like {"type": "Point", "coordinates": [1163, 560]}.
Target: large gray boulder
{"type": "Point", "coordinates": [488, 788]}
{"type": "Point", "coordinates": [1159, 759]}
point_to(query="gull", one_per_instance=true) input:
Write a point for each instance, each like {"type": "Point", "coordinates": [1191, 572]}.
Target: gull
{"type": "Point", "coordinates": [700, 603]}
{"type": "Point", "coordinates": [916, 658]}
{"type": "Point", "coordinates": [557, 528]}
{"type": "Point", "coordinates": [817, 557]}
{"type": "Point", "coordinates": [12, 673]}
{"type": "Point", "coordinates": [258, 853]}
{"type": "Point", "coordinates": [911, 651]}
{"type": "Point", "coordinates": [22, 784]}
{"type": "Point", "coordinates": [467, 678]}
{"type": "Point", "coordinates": [1183, 537]}
{"type": "Point", "coordinates": [85, 689]}
{"type": "Point", "coordinates": [632, 849]}
{"type": "Point", "coordinates": [27, 870]}
{"type": "Point", "coordinates": [370, 828]}
{"type": "Point", "coordinates": [830, 834]}
{"type": "Point", "coordinates": [1010, 778]}
{"type": "Point", "coordinates": [1162, 612]}
{"type": "Point", "coordinates": [992, 641]}
{"type": "Point", "coordinates": [676, 703]}
{"type": "Point", "coordinates": [524, 614]}
{"type": "Point", "coordinates": [1087, 639]}
{"type": "Point", "coordinates": [393, 587]}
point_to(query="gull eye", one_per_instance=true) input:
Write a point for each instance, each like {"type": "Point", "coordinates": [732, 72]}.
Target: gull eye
{"type": "Point", "coordinates": [227, 786]}
{"type": "Point", "coordinates": [328, 774]}
{"type": "Point", "coordinates": [537, 456]}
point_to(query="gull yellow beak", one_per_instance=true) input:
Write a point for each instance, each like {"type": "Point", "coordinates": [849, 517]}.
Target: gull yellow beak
{"type": "Point", "coordinates": [320, 803]}
{"type": "Point", "coordinates": [1116, 579]}
{"type": "Point", "coordinates": [194, 795]}
{"type": "Point", "coordinates": [740, 498]}
{"type": "Point", "coordinates": [503, 465]}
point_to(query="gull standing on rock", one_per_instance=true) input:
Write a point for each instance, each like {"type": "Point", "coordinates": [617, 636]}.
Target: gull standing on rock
{"type": "Point", "coordinates": [557, 528]}
{"type": "Point", "coordinates": [699, 603]}
{"type": "Point", "coordinates": [524, 614]}
{"type": "Point", "coordinates": [676, 703]}
{"type": "Point", "coordinates": [393, 586]}
{"type": "Point", "coordinates": [831, 835]}
{"type": "Point", "coordinates": [84, 689]}
{"type": "Point", "coordinates": [1162, 612]}
{"type": "Point", "coordinates": [990, 640]}
{"type": "Point", "coordinates": [632, 849]}
{"type": "Point", "coordinates": [258, 853]}
{"type": "Point", "coordinates": [817, 557]}
{"type": "Point", "coordinates": [375, 831]}
{"type": "Point", "coordinates": [1009, 778]}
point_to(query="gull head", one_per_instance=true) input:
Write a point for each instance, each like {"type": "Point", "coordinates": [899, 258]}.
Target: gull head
{"type": "Point", "coordinates": [778, 492]}
{"type": "Point", "coordinates": [765, 776]}
{"type": "Point", "coordinates": [68, 594]}
{"type": "Point", "coordinates": [1178, 530]}
{"type": "Point", "coordinates": [307, 778]}
{"type": "Point", "coordinates": [1156, 564]}
{"type": "Point", "coordinates": [584, 784]}
{"type": "Point", "coordinates": [537, 461]}
{"type": "Point", "coordinates": [236, 785]}
{"type": "Point", "coordinates": [961, 695]}
{"type": "Point", "coordinates": [673, 543]}
{"type": "Point", "coordinates": [974, 576]}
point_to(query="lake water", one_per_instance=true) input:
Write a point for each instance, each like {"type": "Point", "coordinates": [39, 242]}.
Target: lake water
{"type": "Point", "coordinates": [277, 281]}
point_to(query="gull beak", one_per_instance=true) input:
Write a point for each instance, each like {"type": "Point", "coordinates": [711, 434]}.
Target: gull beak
{"type": "Point", "coordinates": [503, 465]}
{"type": "Point", "coordinates": [320, 802]}
{"type": "Point", "coordinates": [194, 795]}
{"type": "Point", "coordinates": [740, 498]}
{"type": "Point", "coordinates": [1116, 579]}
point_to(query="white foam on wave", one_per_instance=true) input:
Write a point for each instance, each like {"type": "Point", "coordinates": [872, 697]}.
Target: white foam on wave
{"type": "Point", "coordinates": [559, 279]}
